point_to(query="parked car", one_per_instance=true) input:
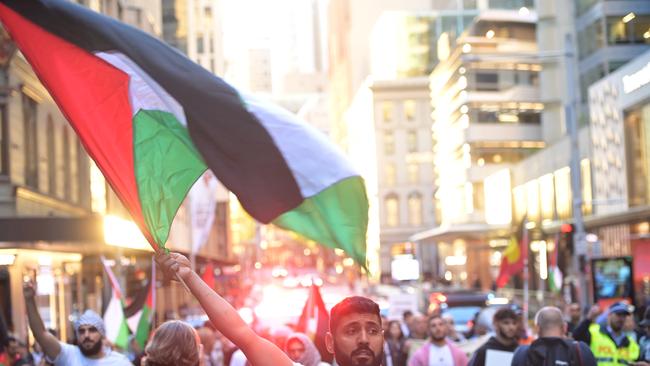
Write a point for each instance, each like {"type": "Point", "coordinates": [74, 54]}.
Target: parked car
{"type": "Point", "coordinates": [465, 307]}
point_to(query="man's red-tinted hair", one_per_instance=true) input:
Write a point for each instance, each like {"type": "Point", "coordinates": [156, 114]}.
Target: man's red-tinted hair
{"type": "Point", "coordinates": [352, 305]}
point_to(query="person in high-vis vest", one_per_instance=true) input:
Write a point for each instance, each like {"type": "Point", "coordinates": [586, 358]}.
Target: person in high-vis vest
{"type": "Point", "coordinates": [609, 344]}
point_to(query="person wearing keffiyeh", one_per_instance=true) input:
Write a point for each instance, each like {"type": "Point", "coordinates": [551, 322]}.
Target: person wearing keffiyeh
{"type": "Point", "coordinates": [89, 329]}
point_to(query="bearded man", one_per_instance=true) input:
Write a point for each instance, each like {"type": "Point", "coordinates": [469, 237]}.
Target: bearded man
{"type": "Point", "coordinates": [90, 332]}
{"type": "Point", "coordinates": [356, 337]}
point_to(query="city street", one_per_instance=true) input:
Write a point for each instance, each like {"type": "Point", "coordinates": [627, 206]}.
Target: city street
{"type": "Point", "coordinates": [324, 182]}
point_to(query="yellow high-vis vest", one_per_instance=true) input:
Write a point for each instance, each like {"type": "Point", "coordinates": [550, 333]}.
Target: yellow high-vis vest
{"type": "Point", "coordinates": [606, 352]}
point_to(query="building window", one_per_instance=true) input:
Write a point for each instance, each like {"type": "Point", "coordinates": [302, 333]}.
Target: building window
{"type": "Point", "coordinates": [583, 5]}
{"type": "Point", "coordinates": [415, 209]}
{"type": "Point", "coordinates": [591, 39]}
{"type": "Point", "coordinates": [487, 81]}
{"type": "Point", "coordinates": [390, 174]}
{"type": "Point", "coordinates": [413, 173]}
{"type": "Point", "coordinates": [199, 44]}
{"type": "Point", "coordinates": [83, 175]}
{"type": "Point", "coordinates": [391, 204]}
{"type": "Point", "coordinates": [51, 157]}
{"type": "Point", "coordinates": [562, 179]}
{"type": "Point", "coordinates": [67, 171]}
{"type": "Point", "coordinates": [469, 4]}
{"type": "Point", "coordinates": [30, 142]}
{"type": "Point", "coordinates": [412, 141]}
{"type": "Point", "coordinates": [547, 196]}
{"type": "Point", "coordinates": [587, 197]}
{"type": "Point", "coordinates": [4, 143]}
{"type": "Point", "coordinates": [74, 168]}
{"type": "Point", "coordinates": [478, 198]}
{"type": "Point", "coordinates": [637, 156]}
{"type": "Point", "coordinates": [387, 111]}
{"type": "Point", "coordinates": [641, 29]}
{"type": "Point", "coordinates": [588, 78]}
{"type": "Point", "coordinates": [389, 143]}
{"type": "Point", "coordinates": [620, 31]}
{"type": "Point", "coordinates": [409, 110]}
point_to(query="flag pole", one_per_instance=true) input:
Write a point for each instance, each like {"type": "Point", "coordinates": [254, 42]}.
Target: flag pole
{"type": "Point", "coordinates": [166, 251]}
{"type": "Point", "coordinates": [525, 274]}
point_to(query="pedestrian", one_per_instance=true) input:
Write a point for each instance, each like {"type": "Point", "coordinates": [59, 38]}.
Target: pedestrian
{"type": "Point", "coordinates": [552, 347]}
{"type": "Point", "coordinates": [20, 353]}
{"type": "Point", "coordinates": [355, 336]}
{"type": "Point", "coordinates": [438, 350]}
{"type": "Point", "coordinates": [505, 323]}
{"type": "Point", "coordinates": [302, 350]}
{"type": "Point", "coordinates": [174, 343]}
{"type": "Point", "coordinates": [418, 336]}
{"type": "Point", "coordinates": [407, 322]}
{"type": "Point", "coordinates": [212, 347]}
{"type": "Point", "coordinates": [644, 336]}
{"type": "Point", "coordinates": [394, 349]}
{"type": "Point", "coordinates": [90, 332]}
{"type": "Point", "coordinates": [573, 316]}
{"type": "Point", "coordinates": [609, 344]}
{"type": "Point", "coordinates": [452, 334]}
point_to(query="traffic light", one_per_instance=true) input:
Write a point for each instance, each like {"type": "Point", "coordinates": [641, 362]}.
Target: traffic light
{"type": "Point", "coordinates": [566, 236]}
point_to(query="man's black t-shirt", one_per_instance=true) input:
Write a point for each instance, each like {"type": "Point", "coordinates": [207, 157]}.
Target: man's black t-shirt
{"type": "Point", "coordinates": [478, 359]}
{"type": "Point", "coordinates": [554, 351]}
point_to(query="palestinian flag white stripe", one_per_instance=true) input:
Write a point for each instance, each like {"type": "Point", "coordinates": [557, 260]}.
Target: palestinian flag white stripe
{"type": "Point", "coordinates": [144, 92]}
{"type": "Point", "coordinates": [307, 151]}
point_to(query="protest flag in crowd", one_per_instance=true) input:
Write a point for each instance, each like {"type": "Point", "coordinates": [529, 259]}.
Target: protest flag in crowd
{"type": "Point", "coordinates": [153, 121]}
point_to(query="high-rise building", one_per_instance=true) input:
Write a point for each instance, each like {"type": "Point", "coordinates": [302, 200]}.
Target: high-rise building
{"type": "Point", "coordinates": [404, 146]}
{"type": "Point", "coordinates": [194, 28]}
{"type": "Point", "coordinates": [603, 35]}
{"type": "Point", "coordinates": [349, 26]}
{"type": "Point", "coordinates": [486, 116]}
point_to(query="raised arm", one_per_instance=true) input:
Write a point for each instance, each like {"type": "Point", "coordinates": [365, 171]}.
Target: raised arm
{"type": "Point", "coordinates": [48, 342]}
{"type": "Point", "coordinates": [223, 316]}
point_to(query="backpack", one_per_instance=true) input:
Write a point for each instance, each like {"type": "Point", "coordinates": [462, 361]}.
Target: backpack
{"type": "Point", "coordinates": [574, 355]}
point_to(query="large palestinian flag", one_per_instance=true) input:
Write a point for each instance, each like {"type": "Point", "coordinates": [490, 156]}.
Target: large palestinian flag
{"type": "Point", "coordinates": [153, 121]}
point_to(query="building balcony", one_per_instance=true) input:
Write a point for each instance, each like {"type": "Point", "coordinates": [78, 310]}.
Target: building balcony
{"type": "Point", "coordinates": [503, 132]}
{"type": "Point", "coordinates": [517, 93]}
{"type": "Point", "coordinates": [479, 173]}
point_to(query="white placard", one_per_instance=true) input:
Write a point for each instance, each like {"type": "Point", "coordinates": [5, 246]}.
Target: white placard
{"type": "Point", "coordinates": [498, 358]}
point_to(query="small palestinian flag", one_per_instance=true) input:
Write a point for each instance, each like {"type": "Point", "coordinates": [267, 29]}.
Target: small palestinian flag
{"type": "Point", "coordinates": [315, 321]}
{"type": "Point", "coordinates": [117, 330]}
{"type": "Point", "coordinates": [153, 121]}
{"type": "Point", "coordinates": [139, 314]}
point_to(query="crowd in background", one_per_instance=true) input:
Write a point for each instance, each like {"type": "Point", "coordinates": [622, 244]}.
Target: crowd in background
{"type": "Point", "coordinates": [600, 337]}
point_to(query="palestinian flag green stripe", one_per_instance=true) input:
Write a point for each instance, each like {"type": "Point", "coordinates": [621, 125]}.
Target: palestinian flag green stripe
{"type": "Point", "coordinates": [319, 218]}
{"type": "Point", "coordinates": [166, 165]}
{"type": "Point", "coordinates": [144, 327]}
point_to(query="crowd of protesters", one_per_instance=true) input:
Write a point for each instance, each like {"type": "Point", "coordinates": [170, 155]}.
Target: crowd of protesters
{"type": "Point", "coordinates": [358, 335]}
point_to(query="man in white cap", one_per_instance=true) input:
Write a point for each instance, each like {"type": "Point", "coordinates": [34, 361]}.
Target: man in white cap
{"type": "Point", "coordinates": [90, 332]}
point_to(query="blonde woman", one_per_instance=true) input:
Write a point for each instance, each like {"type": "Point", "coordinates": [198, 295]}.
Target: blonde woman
{"type": "Point", "coordinates": [174, 343]}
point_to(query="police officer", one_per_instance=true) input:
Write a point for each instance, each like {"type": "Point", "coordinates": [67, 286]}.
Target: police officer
{"type": "Point", "coordinates": [609, 344]}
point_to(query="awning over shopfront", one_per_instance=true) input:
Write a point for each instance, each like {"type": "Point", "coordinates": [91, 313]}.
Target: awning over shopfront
{"type": "Point", "coordinates": [466, 231]}
{"type": "Point", "coordinates": [86, 230]}
{"type": "Point", "coordinates": [52, 229]}
{"type": "Point", "coordinates": [630, 215]}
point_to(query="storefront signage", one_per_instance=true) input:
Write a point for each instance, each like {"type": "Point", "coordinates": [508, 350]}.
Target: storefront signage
{"type": "Point", "coordinates": [636, 80]}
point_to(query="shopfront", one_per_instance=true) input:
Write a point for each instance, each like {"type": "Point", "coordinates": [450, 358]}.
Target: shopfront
{"type": "Point", "coordinates": [620, 128]}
